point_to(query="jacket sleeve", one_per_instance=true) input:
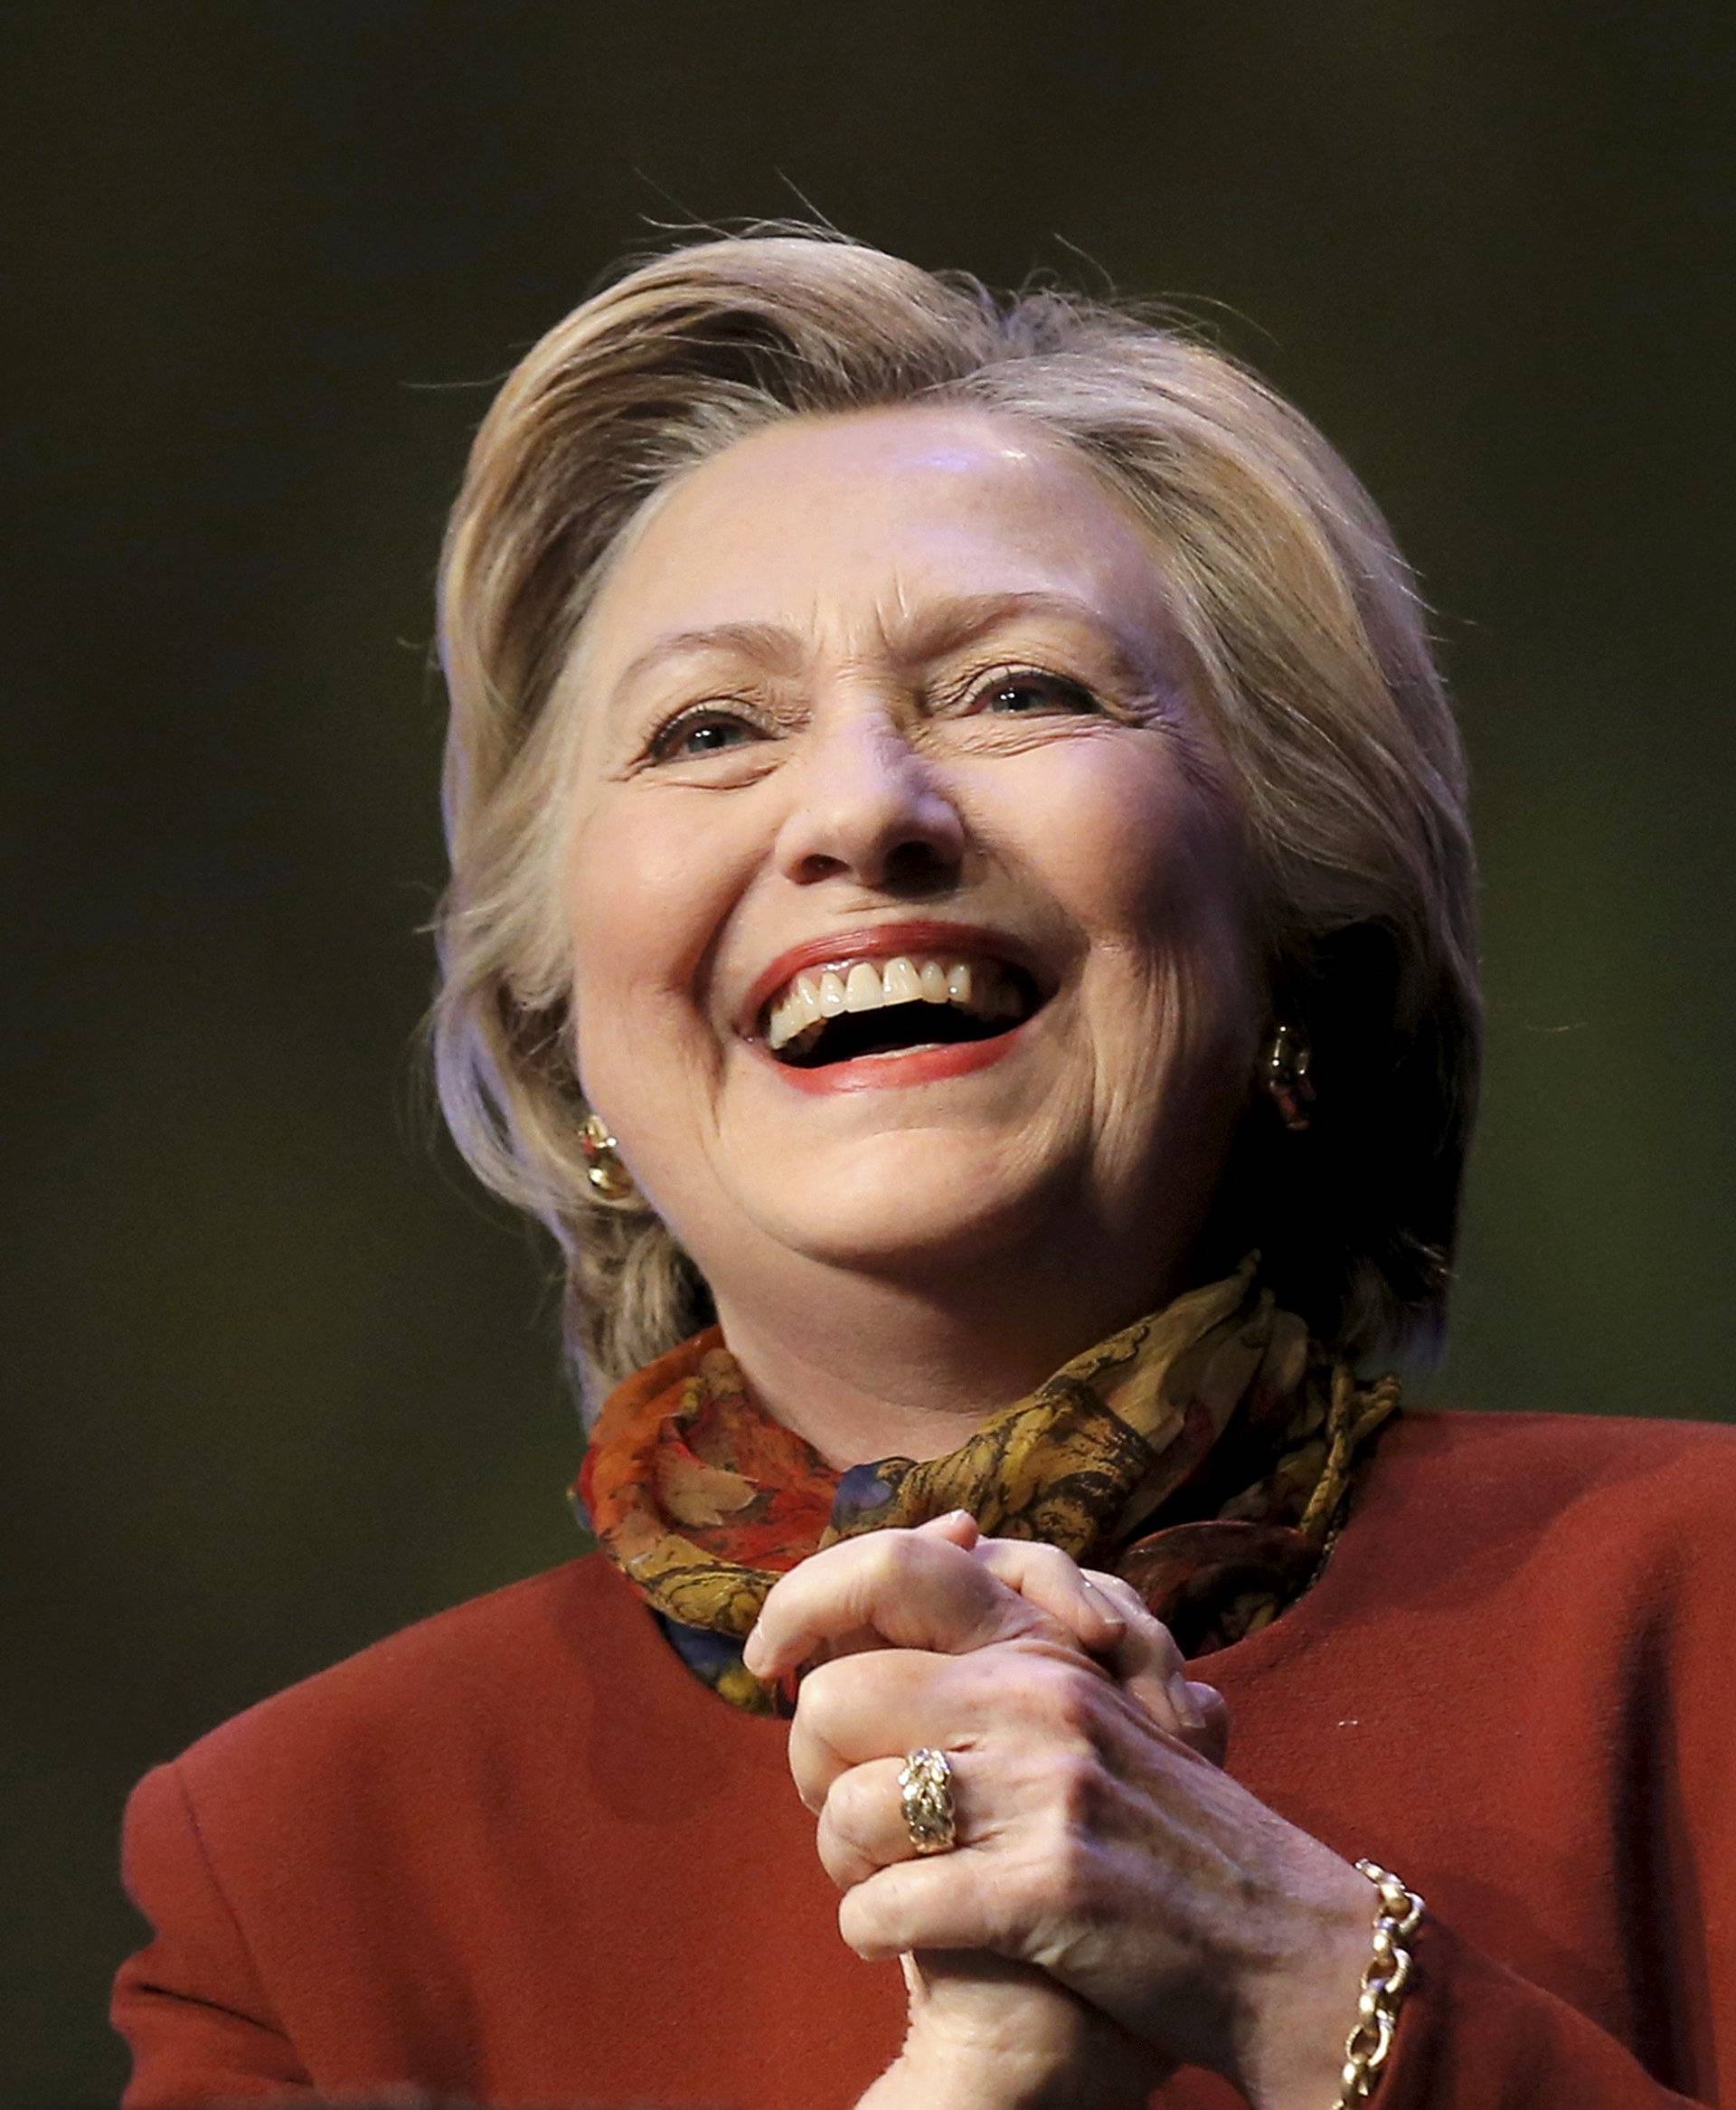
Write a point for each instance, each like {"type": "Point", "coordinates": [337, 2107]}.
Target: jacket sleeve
{"type": "Point", "coordinates": [189, 2003]}
{"type": "Point", "coordinates": [1473, 2035]}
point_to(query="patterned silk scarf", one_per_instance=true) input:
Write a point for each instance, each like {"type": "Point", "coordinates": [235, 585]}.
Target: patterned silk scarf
{"type": "Point", "coordinates": [1203, 1453]}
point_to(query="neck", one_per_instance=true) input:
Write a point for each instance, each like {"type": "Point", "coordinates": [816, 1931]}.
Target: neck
{"type": "Point", "coordinates": [879, 1369]}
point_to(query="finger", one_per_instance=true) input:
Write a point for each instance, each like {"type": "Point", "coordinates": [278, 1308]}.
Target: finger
{"type": "Point", "coordinates": [863, 1827]}
{"type": "Point", "coordinates": [1214, 1725]}
{"type": "Point", "coordinates": [897, 1589]}
{"type": "Point", "coordinates": [1007, 1715]}
{"type": "Point", "coordinates": [1151, 1669]}
{"type": "Point", "coordinates": [870, 1707]}
{"type": "Point", "coordinates": [957, 1526]}
{"type": "Point", "coordinates": [1019, 1705]}
{"type": "Point", "coordinates": [944, 1901]}
{"type": "Point", "coordinates": [1052, 1581]}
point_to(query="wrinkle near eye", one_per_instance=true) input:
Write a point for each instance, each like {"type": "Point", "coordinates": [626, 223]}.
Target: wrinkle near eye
{"type": "Point", "coordinates": [669, 743]}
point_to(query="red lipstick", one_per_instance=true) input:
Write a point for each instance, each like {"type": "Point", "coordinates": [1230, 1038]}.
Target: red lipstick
{"type": "Point", "coordinates": [921, 1066]}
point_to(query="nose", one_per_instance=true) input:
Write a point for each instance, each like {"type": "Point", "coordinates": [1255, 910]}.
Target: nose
{"type": "Point", "coordinates": [868, 807]}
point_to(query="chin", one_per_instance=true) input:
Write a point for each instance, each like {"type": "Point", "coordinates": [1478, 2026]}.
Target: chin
{"type": "Point", "coordinates": [924, 1201]}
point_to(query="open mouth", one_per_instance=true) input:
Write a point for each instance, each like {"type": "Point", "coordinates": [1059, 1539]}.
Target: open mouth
{"type": "Point", "coordinates": [894, 1006]}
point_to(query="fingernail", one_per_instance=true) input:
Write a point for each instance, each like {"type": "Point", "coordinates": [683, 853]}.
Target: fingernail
{"type": "Point", "coordinates": [1180, 1697]}
{"type": "Point", "coordinates": [753, 1650]}
{"type": "Point", "coordinates": [1101, 1609]}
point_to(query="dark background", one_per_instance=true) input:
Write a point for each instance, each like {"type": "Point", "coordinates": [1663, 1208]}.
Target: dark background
{"type": "Point", "coordinates": [275, 1381]}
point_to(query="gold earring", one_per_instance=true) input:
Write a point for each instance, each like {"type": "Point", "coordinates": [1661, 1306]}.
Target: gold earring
{"type": "Point", "coordinates": [1286, 1080]}
{"type": "Point", "coordinates": [603, 1167]}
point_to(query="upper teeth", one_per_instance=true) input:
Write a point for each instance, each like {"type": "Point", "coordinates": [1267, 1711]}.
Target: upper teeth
{"type": "Point", "coordinates": [981, 987]}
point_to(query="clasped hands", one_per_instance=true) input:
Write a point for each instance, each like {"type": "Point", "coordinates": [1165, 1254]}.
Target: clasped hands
{"type": "Point", "coordinates": [1117, 1904]}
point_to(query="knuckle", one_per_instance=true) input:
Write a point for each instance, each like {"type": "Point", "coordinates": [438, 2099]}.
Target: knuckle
{"type": "Point", "coordinates": [1079, 1791]}
{"type": "Point", "coordinates": [1051, 1562]}
{"type": "Point", "coordinates": [851, 1807]}
{"type": "Point", "coordinates": [1160, 1642]}
{"type": "Point", "coordinates": [835, 1853]}
{"type": "Point", "coordinates": [1162, 1645]}
{"type": "Point", "coordinates": [894, 1558]}
{"type": "Point", "coordinates": [841, 1858]}
{"type": "Point", "coordinates": [865, 1927]}
{"type": "Point", "coordinates": [821, 1701]}
{"type": "Point", "coordinates": [1139, 1615]}
{"type": "Point", "coordinates": [1066, 1696]}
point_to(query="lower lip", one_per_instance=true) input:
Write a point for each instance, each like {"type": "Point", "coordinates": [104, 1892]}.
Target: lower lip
{"type": "Point", "coordinates": [922, 1065]}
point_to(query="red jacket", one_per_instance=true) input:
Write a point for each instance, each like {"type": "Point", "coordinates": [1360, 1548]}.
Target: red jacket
{"type": "Point", "coordinates": [518, 1854]}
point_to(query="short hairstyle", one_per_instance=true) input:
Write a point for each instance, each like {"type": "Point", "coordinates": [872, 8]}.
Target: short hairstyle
{"type": "Point", "coordinates": [1308, 652]}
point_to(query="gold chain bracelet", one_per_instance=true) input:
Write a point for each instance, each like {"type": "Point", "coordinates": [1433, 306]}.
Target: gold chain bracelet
{"type": "Point", "coordinates": [1384, 1981]}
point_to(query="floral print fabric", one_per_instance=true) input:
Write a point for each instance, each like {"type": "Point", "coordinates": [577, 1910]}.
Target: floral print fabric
{"type": "Point", "coordinates": [1203, 1452]}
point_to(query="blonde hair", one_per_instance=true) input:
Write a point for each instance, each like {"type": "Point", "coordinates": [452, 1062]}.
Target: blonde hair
{"type": "Point", "coordinates": [1310, 655]}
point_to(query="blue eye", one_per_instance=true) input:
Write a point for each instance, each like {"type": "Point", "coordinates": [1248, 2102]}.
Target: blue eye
{"type": "Point", "coordinates": [697, 734]}
{"type": "Point", "coordinates": [1023, 695]}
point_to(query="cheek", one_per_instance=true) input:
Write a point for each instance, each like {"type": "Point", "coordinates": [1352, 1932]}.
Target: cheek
{"type": "Point", "coordinates": [643, 901]}
{"type": "Point", "coordinates": [1142, 855]}
{"type": "Point", "coordinates": [1153, 870]}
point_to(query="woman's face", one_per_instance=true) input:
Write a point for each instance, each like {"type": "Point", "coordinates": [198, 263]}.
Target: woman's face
{"type": "Point", "coordinates": [908, 931]}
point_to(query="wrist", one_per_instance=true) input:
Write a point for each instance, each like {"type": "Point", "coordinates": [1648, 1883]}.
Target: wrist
{"type": "Point", "coordinates": [986, 2033]}
{"type": "Point", "coordinates": [1292, 2048]}
{"type": "Point", "coordinates": [941, 2075]}
{"type": "Point", "coordinates": [1384, 1981]}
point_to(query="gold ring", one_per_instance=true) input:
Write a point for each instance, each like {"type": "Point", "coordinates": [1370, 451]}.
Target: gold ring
{"type": "Point", "coordinates": [925, 1794]}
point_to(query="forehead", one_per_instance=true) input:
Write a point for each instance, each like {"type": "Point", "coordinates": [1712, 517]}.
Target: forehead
{"type": "Point", "coordinates": [819, 523]}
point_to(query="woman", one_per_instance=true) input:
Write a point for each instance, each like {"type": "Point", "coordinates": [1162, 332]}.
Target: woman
{"type": "Point", "coordinates": [961, 926]}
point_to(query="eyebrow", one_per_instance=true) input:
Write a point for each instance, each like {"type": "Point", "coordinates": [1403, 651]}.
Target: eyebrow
{"type": "Point", "coordinates": [947, 625]}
